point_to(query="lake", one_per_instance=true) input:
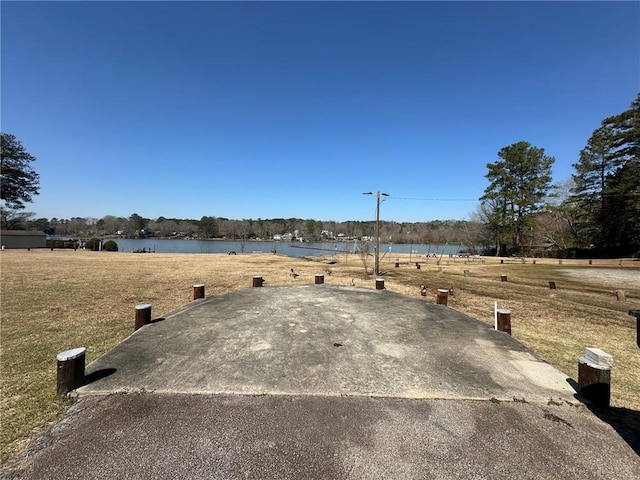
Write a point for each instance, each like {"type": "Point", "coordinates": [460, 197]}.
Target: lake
{"type": "Point", "coordinates": [284, 248]}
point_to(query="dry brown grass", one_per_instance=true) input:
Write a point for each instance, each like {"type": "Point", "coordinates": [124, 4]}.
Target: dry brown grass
{"type": "Point", "coordinates": [54, 301]}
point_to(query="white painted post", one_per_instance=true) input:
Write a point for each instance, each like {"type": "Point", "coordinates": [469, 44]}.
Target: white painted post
{"type": "Point", "coordinates": [594, 376]}
{"type": "Point", "coordinates": [495, 315]}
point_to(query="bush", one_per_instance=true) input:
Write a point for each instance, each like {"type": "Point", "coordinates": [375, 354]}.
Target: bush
{"type": "Point", "coordinates": [110, 246]}
{"type": "Point", "coordinates": [92, 244]}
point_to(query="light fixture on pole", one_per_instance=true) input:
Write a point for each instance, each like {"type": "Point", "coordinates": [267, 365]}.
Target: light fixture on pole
{"type": "Point", "coordinates": [377, 233]}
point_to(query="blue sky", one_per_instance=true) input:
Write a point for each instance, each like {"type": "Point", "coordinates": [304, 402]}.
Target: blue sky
{"type": "Point", "coordinates": [293, 109]}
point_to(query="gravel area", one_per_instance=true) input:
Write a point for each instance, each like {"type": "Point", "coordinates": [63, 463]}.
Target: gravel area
{"type": "Point", "coordinates": [609, 277]}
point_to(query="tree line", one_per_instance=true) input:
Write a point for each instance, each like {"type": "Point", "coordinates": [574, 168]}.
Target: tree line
{"type": "Point", "coordinates": [595, 212]}
{"type": "Point", "coordinates": [454, 232]}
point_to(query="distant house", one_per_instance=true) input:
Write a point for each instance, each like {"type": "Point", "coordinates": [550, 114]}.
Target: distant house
{"type": "Point", "coordinates": [23, 239]}
{"type": "Point", "coordinates": [286, 237]}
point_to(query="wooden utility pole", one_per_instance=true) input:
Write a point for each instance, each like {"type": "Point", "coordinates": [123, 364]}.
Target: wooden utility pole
{"type": "Point", "coordinates": [377, 232]}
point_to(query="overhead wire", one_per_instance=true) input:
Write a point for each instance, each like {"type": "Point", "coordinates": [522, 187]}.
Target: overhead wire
{"type": "Point", "coordinates": [435, 199]}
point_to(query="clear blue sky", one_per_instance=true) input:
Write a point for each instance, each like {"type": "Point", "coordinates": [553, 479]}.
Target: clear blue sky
{"type": "Point", "coordinates": [293, 109]}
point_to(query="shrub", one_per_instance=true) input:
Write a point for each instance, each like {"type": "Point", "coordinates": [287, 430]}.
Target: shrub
{"type": "Point", "coordinates": [110, 246]}
{"type": "Point", "coordinates": [92, 244]}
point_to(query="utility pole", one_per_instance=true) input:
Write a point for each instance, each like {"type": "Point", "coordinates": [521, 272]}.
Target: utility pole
{"type": "Point", "coordinates": [377, 231]}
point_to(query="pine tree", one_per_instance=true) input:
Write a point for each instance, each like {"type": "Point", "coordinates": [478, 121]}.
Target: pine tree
{"type": "Point", "coordinates": [520, 181]}
{"type": "Point", "coordinates": [597, 161]}
{"type": "Point", "coordinates": [626, 132]}
{"type": "Point", "coordinates": [606, 182]}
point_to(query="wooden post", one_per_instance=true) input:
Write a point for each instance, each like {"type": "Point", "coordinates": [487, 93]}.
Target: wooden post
{"type": "Point", "coordinates": [379, 283]}
{"type": "Point", "coordinates": [552, 285]}
{"type": "Point", "coordinates": [560, 262]}
{"type": "Point", "coordinates": [534, 261]}
{"type": "Point", "coordinates": [466, 273]}
{"type": "Point", "coordinates": [636, 313]}
{"type": "Point", "coordinates": [70, 370]}
{"type": "Point", "coordinates": [503, 278]}
{"type": "Point", "coordinates": [417, 265]}
{"type": "Point", "coordinates": [501, 261]}
{"type": "Point", "coordinates": [257, 281]}
{"type": "Point", "coordinates": [504, 321]}
{"type": "Point", "coordinates": [198, 291]}
{"type": "Point", "coordinates": [442, 297]}
{"type": "Point", "coordinates": [590, 262]}
{"type": "Point", "coordinates": [143, 315]}
{"type": "Point", "coordinates": [319, 279]}
{"type": "Point", "coordinates": [594, 376]}
{"type": "Point", "coordinates": [397, 264]}
{"type": "Point", "coordinates": [620, 296]}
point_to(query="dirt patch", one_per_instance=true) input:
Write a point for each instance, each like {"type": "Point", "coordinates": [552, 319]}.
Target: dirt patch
{"type": "Point", "coordinates": [605, 276]}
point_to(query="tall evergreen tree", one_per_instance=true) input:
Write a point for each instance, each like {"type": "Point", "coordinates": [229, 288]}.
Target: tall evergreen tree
{"type": "Point", "coordinates": [621, 225]}
{"type": "Point", "coordinates": [520, 181]}
{"type": "Point", "coordinates": [626, 132]}
{"type": "Point", "coordinates": [605, 191]}
{"type": "Point", "coordinates": [597, 161]}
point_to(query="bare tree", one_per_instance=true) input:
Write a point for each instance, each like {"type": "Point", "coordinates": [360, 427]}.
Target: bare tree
{"type": "Point", "coordinates": [364, 248]}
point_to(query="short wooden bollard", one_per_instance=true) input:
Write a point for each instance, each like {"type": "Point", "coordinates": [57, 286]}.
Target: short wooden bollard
{"type": "Point", "coordinates": [503, 278]}
{"type": "Point", "coordinates": [379, 283]}
{"type": "Point", "coordinates": [442, 296]}
{"type": "Point", "coordinates": [504, 320]}
{"type": "Point", "coordinates": [466, 273]}
{"type": "Point", "coordinates": [620, 296]}
{"type": "Point", "coordinates": [417, 265]}
{"type": "Point", "coordinates": [590, 262]}
{"type": "Point", "coordinates": [501, 261]}
{"type": "Point", "coordinates": [594, 376]}
{"type": "Point", "coordinates": [257, 281]}
{"type": "Point", "coordinates": [319, 279]}
{"type": "Point", "coordinates": [560, 262]}
{"type": "Point", "coordinates": [397, 264]}
{"type": "Point", "coordinates": [552, 285]}
{"type": "Point", "coordinates": [198, 291]}
{"type": "Point", "coordinates": [70, 370]}
{"type": "Point", "coordinates": [143, 315]}
{"type": "Point", "coordinates": [636, 313]}
{"type": "Point", "coordinates": [534, 261]}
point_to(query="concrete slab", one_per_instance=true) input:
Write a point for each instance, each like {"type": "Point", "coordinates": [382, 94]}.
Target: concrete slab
{"type": "Point", "coordinates": [151, 436]}
{"type": "Point", "coordinates": [325, 340]}
{"type": "Point", "coordinates": [324, 382]}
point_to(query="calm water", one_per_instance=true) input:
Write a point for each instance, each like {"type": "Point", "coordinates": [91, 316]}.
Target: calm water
{"type": "Point", "coordinates": [284, 248]}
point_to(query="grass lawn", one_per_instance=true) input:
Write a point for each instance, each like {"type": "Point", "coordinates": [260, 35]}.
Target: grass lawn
{"type": "Point", "coordinates": [57, 300]}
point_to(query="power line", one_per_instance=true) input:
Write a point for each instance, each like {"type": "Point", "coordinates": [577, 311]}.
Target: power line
{"type": "Point", "coordinates": [436, 199]}
{"type": "Point", "coordinates": [477, 200]}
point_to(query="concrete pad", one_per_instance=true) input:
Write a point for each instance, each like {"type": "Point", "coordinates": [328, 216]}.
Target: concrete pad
{"type": "Point", "coordinates": [150, 436]}
{"type": "Point", "coordinates": [325, 340]}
